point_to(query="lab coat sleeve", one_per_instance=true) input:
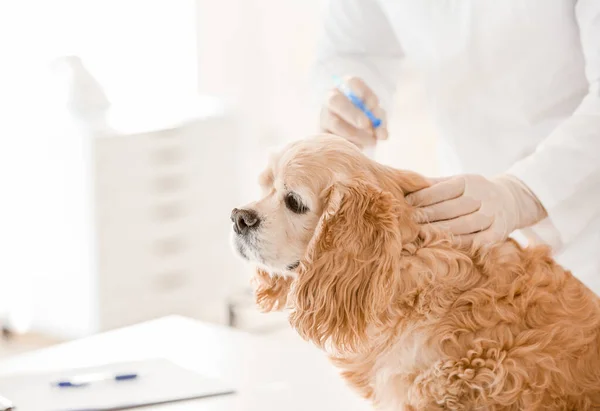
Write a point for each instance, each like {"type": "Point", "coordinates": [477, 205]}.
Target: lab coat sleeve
{"type": "Point", "coordinates": [564, 171]}
{"type": "Point", "coordinates": [357, 40]}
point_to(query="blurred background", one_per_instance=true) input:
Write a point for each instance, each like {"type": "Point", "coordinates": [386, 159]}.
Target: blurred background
{"type": "Point", "coordinates": [128, 131]}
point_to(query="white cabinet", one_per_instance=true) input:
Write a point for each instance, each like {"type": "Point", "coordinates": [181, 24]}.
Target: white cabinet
{"type": "Point", "coordinates": [160, 198]}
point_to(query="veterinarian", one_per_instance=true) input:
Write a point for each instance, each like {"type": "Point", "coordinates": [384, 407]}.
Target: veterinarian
{"type": "Point", "coordinates": [514, 87]}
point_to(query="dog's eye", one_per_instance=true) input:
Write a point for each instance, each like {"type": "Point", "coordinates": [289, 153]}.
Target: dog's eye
{"type": "Point", "coordinates": [293, 203]}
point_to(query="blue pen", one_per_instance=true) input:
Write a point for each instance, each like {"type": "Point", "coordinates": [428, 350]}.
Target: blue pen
{"type": "Point", "coordinates": [354, 99]}
{"type": "Point", "coordinates": [84, 380]}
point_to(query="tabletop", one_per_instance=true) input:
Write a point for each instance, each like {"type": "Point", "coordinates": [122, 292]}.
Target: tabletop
{"type": "Point", "coordinates": [269, 373]}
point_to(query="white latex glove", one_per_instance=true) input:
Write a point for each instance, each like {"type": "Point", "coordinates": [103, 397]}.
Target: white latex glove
{"type": "Point", "coordinates": [340, 117]}
{"type": "Point", "coordinates": [476, 209]}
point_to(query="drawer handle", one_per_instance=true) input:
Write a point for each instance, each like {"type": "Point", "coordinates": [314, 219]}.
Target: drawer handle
{"type": "Point", "coordinates": [167, 156]}
{"type": "Point", "coordinates": [169, 183]}
{"type": "Point", "coordinates": [171, 280]}
{"type": "Point", "coordinates": [168, 212]}
{"type": "Point", "coordinates": [169, 246]}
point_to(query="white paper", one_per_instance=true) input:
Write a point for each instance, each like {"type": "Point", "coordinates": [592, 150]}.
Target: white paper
{"type": "Point", "coordinates": [159, 381]}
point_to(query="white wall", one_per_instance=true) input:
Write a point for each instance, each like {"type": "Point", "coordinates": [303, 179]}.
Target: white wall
{"type": "Point", "coordinates": [139, 50]}
{"type": "Point", "coordinates": [256, 52]}
{"type": "Point", "coordinates": [261, 54]}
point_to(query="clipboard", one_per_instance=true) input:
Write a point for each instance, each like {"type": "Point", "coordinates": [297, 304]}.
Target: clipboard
{"type": "Point", "coordinates": [159, 382]}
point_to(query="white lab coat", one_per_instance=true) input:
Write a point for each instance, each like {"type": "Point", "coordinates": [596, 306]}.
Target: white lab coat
{"type": "Point", "coordinates": [513, 86]}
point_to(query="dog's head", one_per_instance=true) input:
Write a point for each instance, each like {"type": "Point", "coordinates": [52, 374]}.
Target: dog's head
{"type": "Point", "coordinates": [326, 237]}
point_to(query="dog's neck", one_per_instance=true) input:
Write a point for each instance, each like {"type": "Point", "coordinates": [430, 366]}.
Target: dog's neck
{"type": "Point", "coordinates": [431, 264]}
{"type": "Point", "coordinates": [432, 275]}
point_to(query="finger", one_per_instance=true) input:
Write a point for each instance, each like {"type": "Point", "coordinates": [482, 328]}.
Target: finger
{"type": "Point", "coordinates": [362, 91]}
{"type": "Point", "coordinates": [371, 101]}
{"type": "Point", "coordinates": [430, 181]}
{"type": "Point", "coordinates": [447, 210]}
{"type": "Point", "coordinates": [435, 180]}
{"type": "Point", "coordinates": [341, 106]}
{"type": "Point", "coordinates": [381, 132]}
{"type": "Point", "coordinates": [442, 191]}
{"type": "Point", "coordinates": [358, 142]}
{"type": "Point", "coordinates": [338, 126]}
{"type": "Point", "coordinates": [468, 224]}
{"type": "Point", "coordinates": [463, 241]}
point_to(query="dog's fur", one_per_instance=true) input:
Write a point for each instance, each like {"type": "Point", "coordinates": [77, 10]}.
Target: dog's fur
{"type": "Point", "coordinates": [414, 322]}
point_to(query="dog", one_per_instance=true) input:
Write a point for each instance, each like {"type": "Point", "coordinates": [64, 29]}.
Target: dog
{"type": "Point", "coordinates": [413, 321]}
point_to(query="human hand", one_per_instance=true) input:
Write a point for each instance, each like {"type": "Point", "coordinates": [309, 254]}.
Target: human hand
{"type": "Point", "coordinates": [476, 209]}
{"type": "Point", "coordinates": [340, 117]}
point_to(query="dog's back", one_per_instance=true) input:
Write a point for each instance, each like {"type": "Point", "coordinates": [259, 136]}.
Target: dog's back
{"type": "Point", "coordinates": [524, 336]}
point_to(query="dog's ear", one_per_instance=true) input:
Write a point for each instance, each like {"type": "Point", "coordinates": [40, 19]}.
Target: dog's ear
{"type": "Point", "coordinates": [348, 277]}
{"type": "Point", "coordinates": [270, 290]}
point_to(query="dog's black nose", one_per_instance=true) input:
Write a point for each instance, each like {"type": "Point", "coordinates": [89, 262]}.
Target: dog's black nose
{"type": "Point", "coordinates": [244, 220]}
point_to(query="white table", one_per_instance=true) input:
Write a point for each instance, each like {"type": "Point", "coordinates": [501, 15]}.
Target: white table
{"type": "Point", "coordinates": [269, 373]}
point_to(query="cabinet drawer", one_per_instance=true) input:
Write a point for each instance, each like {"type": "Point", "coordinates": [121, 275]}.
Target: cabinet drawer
{"type": "Point", "coordinates": [153, 295]}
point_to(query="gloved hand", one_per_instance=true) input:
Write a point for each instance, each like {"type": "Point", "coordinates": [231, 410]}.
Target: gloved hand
{"type": "Point", "coordinates": [476, 209]}
{"type": "Point", "coordinates": [340, 117]}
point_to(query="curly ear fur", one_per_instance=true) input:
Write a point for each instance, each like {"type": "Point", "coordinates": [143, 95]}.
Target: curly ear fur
{"type": "Point", "coordinates": [347, 280]}
{"type": "Point", "coordinates": [270, 290]}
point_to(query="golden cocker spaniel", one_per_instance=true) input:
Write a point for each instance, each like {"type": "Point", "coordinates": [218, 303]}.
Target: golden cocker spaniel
{"type": "Point", "coordinates": [413, 321]}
